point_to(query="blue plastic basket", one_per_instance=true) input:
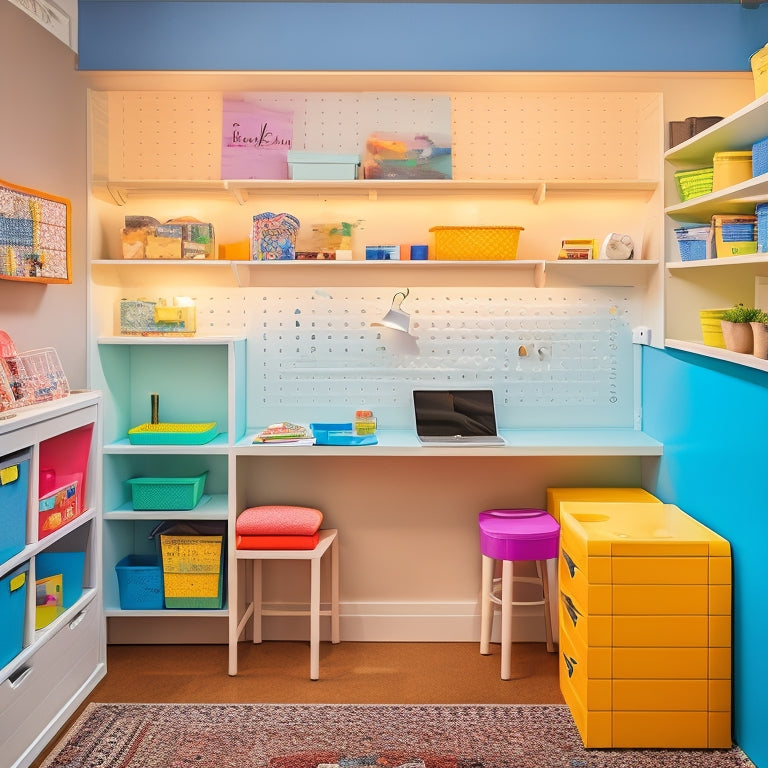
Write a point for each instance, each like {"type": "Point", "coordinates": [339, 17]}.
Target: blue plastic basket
{"type": "Point", "coordinates": [761, 210]}
{"type": "Point", "coordinates": [692, 250]}
{"type": "Point", "coordinates": [140, 580]}
{"type": "Point", "coordinates": [760, 157]}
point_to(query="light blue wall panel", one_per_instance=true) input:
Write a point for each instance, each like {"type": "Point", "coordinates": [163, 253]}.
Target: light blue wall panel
{"type": "Point", "coordinates": [116, 35]}
{"type": "Point", "coordinates": [713, 420]}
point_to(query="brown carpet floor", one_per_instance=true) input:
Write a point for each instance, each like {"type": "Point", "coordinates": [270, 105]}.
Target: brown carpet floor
{"type": "Point", "coordinates": [350, 673]}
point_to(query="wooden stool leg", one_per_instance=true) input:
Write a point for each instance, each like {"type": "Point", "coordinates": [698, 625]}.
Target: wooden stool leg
{"type": "Point", "coordinates": [506, 619]}
{"type": "Point", "coordinates": [486, 605]}
{"type": "Point", "coordinates": [314, 620]}
{"type": "Point", "coordinates": [257, 601]}
{"type": "Point", "coordinates": [542, 568]}
{"type": "Point", "coordinates": [335, 635]}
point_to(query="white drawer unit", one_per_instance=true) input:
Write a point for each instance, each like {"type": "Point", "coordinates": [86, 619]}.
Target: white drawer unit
{"type": "Point", "coordinates": [51, 485]}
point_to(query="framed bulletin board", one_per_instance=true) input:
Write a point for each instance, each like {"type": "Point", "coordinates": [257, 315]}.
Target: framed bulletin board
{"type": "Point", "coordinates": [34, 235]}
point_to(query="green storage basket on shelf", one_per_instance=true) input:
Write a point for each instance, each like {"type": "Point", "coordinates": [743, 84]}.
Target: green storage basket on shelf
{"type": "Point", "coordinates": [167, 493]}
{"type": "Point", "coordinates": [694, 183]}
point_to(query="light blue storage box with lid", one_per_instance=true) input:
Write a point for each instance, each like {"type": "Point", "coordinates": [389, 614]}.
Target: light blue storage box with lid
{"type": "Point", "coordinates": [322, 166]}
{"type": "Point", "coordinates": [14, 494]}
{"type": "Point", "coordinates": [13, 603]}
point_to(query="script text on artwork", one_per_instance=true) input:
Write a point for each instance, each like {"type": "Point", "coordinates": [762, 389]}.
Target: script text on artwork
{"type": "Point", "coordinates": [264, 138]}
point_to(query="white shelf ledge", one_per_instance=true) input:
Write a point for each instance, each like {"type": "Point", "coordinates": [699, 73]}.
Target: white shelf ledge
{"type": "Point", "coordinates": [717, 353]}
{"type": "Point", "coordinates": [119, 191]}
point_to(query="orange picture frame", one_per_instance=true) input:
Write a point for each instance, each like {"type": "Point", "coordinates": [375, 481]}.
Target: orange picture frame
{"type": "Point", "coordinates": [35, 235]}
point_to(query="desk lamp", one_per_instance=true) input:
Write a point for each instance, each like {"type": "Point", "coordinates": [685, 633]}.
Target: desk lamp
{"type": "Point", "coordinates": [396, 318]}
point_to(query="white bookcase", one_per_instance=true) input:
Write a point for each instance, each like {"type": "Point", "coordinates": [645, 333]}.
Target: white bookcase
{"type": "Point", "coordinates": [714, 283]}
{"type": "Point", "coordinates": [59, 437]}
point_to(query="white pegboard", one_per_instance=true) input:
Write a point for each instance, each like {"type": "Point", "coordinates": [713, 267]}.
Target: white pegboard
{"type": "Point", "coordinates": [520, 135]}
{"type": "Point", "coordinates": [177, 135]}
{"type": "Point", "coordinates": [553, 357]}
{"type": "Point", "coordinates": [547, 135]}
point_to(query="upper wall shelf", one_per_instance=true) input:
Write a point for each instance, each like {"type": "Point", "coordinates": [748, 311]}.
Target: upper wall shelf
{"type": "Point", "coordinates": [738, 199]}
{"type": "Point", "coordinates": [537, 273]}
{"type": "Point", "coordinates": [120, 191]}
{"type": "Point", "coordinates": [738, 131]}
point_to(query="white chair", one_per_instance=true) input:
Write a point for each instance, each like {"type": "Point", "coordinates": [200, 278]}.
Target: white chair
{"type": "Point", "coordinates": [328, 543]}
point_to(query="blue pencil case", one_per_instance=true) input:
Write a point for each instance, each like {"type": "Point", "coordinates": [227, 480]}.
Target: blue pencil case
{"type": "Point", "coordinates": [339, 434]}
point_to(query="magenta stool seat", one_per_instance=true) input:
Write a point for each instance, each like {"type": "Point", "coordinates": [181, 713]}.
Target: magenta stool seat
{"type": "Point", "coordinates": [509, 536]}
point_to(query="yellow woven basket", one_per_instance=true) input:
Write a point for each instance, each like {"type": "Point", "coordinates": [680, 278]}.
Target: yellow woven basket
{"type": "Point", "coordinates": [476, 243]}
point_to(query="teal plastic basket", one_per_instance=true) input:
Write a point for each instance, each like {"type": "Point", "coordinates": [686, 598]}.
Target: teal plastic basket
{"type": "Point", "coordinates": [165, 433]}
{"type": "Point", "coordinates": [167, 493]}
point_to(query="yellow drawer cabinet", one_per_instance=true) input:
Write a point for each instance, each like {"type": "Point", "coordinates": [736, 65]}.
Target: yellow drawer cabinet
{"type": "Point", "coordinates": [645, 626]}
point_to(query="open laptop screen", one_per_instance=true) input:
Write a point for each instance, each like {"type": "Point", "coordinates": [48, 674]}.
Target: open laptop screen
{"type": "Point", "coordinates": [446, 413]}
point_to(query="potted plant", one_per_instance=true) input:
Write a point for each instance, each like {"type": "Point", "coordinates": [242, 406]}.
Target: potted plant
{"type": "Point", "coordinates": [737, 328]}
{"type": "Point", "coordinates": [760, 336]}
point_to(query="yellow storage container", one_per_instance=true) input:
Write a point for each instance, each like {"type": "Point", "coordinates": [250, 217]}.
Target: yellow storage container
{"type": "Point", "coordinates": [731, 168]}
{"type": "Point", "coordinates": [711, 329]}
{"type": "Point", "coordinates": [759, 64]}
{"type": "Point", "coordinates": [192, 571]}
{"type": "Point", "coordinates": [476, 243]}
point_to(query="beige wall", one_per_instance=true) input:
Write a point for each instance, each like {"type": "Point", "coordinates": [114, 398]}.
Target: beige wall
{"type": "Point", "coordinates": [43, 146]}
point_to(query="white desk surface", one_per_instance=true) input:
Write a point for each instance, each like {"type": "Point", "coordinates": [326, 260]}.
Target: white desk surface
{"type": "Point", "coordinates": [522, 442]}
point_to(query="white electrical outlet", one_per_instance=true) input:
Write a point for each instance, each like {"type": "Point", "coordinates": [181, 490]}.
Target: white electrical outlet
{"type": "Point", "coordinates": [641, 334]}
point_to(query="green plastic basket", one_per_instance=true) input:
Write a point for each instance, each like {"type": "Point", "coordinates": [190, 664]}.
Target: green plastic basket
{"type": "Point", "coordinates": [167, 492]}
{"type": "Point", "coordinates": [695, 183]}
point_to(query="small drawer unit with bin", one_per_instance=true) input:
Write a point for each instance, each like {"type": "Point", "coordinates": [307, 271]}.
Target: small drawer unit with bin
{"type": "Point", "coordinates": [645, 626]}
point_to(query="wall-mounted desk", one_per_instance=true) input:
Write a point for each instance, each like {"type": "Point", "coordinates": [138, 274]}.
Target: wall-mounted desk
{"type": "Point", "coordinates": [407, 518]}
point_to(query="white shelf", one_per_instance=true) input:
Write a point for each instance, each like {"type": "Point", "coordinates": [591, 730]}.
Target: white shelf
{"type": "Point", "coordinates": [738, 131]}
{"type": "Point", "coordinates": [162, 340]}
{"type": "Point", "coordinates": [210, 507]}
{"type": "Point", "coordinates": [168, 613]}
{"type": "Point", "coordinates": [135, 273]}
{"type": "Point", "coordinates": [704, 350]}
{"type": "Point", "coordinates": [121, 190]}
{"type": "Point", "coordinates": [738, 199]}
{"type": "Point", "coordinates": [728, 262]}
{"type": "Point", "coordinates": [519, 442]}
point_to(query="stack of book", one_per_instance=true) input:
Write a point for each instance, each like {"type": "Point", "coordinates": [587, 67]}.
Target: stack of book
{"type": "Point", "coordinates": [284, 433]}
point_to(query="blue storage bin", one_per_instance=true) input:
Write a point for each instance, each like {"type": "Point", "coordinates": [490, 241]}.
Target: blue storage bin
{"type": "Point", "coordinates": [140, 581]}
{"type": "Point", "coordinates": [14, 492]}
{"type": "Point", "coordinates": [761, 210]}
{"type": "Point", "coordinates": [71, 566]}
{"type": "Point", "coordinates": [13, 603]}
{"type": "Point", "coordinates": [760, 157]}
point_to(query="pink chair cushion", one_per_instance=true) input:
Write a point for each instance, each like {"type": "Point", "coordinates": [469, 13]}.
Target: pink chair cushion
{"type": "Point", "coordinates": [271, 520]}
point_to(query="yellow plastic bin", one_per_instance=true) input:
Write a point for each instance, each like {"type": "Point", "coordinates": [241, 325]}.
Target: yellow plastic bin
{"type": "Point", "coordinates": [476, 243]}
{"type": "Point", "coordinates": [731, 168]}
{"type": "Point", "coordinates": [193, 571]}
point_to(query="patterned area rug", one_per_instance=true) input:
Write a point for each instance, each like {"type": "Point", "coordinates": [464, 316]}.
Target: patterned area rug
{"type": "Point", "coordinates": [349, 736]}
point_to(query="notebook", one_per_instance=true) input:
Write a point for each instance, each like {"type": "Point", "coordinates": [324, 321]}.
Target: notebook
{"type": "Point", "coordinates": [455, 417]}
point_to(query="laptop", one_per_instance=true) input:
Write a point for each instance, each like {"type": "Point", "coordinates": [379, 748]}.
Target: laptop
{"type": "Point", "coordinates": [455, 417]}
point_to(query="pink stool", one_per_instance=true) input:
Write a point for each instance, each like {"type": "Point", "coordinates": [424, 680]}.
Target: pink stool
{"type": "Point", "coordinates": [512, 535]}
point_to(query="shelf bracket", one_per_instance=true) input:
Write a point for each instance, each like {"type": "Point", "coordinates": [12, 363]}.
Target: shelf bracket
{"type": "Point", "coordinates": [119, 195]}
{"type": "Point", "coordinates": [240, 194]}
{"type": "Point", "coordinates": [540, 193]}
{"type": "Point", "coordinates": [540, 274]}
{"type": "Point", "coordinates": [373, 195]}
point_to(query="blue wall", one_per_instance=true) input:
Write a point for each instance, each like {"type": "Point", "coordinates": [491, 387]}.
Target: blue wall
{"type": "Point", "coordinates": [712, 417]}
{"type": "Point", "coordinates": [150, 35]}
